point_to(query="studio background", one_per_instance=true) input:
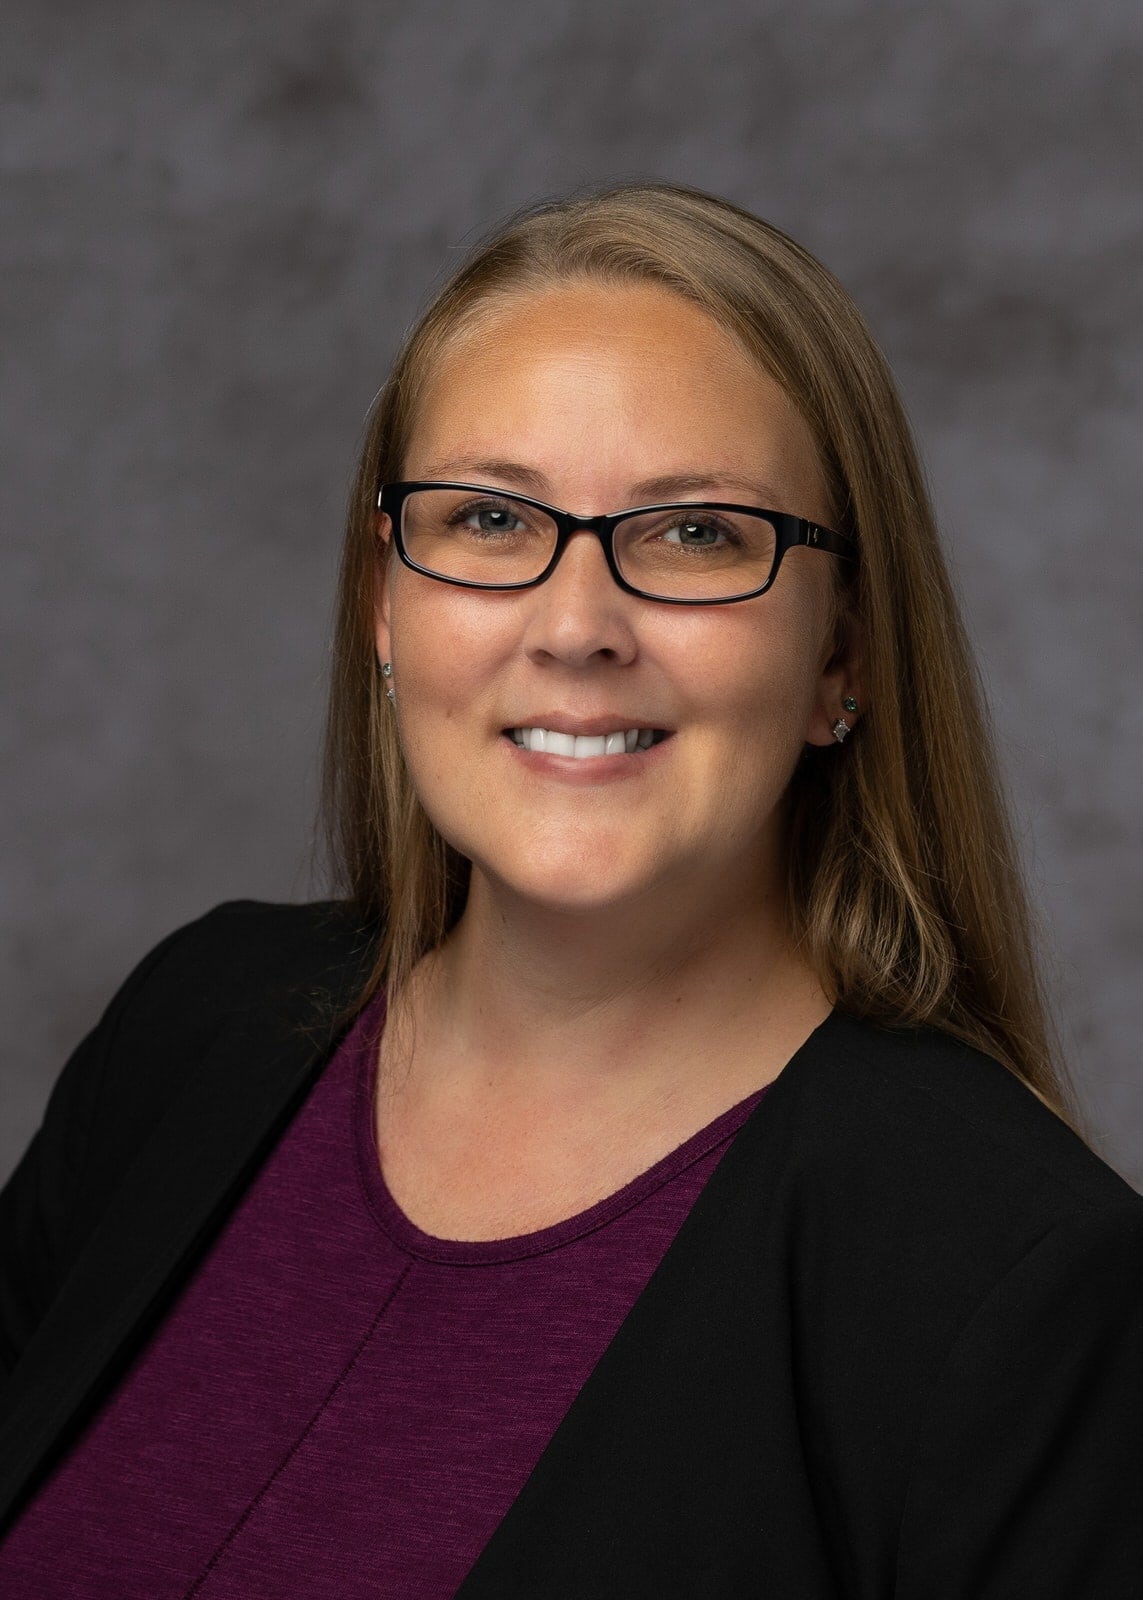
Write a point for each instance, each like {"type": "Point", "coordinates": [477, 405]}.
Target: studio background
{"type": "Point", "coordinates": [217, 222]}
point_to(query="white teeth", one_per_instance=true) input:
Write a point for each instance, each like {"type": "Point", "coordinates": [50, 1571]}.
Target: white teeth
{"type": "Point", "coordinates": [583, 746]}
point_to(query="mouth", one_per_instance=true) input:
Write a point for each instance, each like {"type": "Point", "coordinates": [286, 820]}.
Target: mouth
{"type": "Point", "coordinates": [585, 746]}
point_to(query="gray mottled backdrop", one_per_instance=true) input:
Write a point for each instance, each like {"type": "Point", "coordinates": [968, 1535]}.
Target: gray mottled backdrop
{"type": "Point", "coordinates": [219, 218]}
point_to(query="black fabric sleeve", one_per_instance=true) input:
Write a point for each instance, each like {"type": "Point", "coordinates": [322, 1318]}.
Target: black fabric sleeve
{"type": "Point", "coordinates": [1028, 1476]}
{"type": "Point", "coordinates": [37, 1204]}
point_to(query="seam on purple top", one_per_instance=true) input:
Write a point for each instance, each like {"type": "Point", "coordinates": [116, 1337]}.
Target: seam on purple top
{"type": "Point", "coordinates": [363, 1040]}
{"type": "Point", "coordinates": [256, 1499]}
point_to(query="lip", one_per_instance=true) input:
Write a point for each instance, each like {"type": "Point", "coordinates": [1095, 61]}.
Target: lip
{"type": "Point", "coordinates": [590, 769]}
{"type": "Point", "coordinates": [589, 727]}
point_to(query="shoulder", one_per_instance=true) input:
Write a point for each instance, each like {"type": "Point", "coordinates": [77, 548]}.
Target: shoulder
{"type": "Point", "coordinates": [273, 965]}
{"type": "Point", "coordinates": [265, 967]}
{"type": "Point", "coordinates": [994, 1264]}
{"type": "Point", "coordinates": [216, 961]}
{"type": "Point", "coordinates": [262, 960]}
{"type": "Point", "coordinates": [929, 1112]}
{"type": "Point", "coordinates": [954, 1259]}
{"type": "Point", "coordinates": [908, 1174]}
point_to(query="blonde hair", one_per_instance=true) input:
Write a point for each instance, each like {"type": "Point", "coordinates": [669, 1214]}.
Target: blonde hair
{"type": "Point", "coordinates": [904, 889]}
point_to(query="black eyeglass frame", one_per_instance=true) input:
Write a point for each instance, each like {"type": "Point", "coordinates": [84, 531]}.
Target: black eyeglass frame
{"type": "Point", "coordinates": [791, 530]}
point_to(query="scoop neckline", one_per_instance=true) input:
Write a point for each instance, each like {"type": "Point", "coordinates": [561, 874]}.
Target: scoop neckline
{"type": "Point", "coordinates": [362, 1043]}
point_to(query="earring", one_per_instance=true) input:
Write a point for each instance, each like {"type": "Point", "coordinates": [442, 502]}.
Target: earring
{"type": "Point", "coordinates": [841, 726]}
{"type": "Point", "coordinates": [387, 672]}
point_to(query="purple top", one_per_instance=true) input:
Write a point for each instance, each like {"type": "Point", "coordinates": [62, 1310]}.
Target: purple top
{"type": "Point", "coordinates": [336, 1399]}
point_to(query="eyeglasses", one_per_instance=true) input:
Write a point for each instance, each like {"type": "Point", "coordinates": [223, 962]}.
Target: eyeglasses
{"type": "Point", "coordinates": [686, 553]}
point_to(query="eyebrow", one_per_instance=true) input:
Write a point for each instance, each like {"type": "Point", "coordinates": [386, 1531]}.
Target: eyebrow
{"type": "Point", "coordinates": [643, 492]}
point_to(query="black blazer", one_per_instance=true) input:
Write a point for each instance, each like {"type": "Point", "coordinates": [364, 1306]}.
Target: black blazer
{"type": "Point", "coordinates": [896, 1348]}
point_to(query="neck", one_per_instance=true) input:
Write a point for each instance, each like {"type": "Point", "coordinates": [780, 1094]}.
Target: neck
{"type": "Point", "coordinates": [541, 1005]}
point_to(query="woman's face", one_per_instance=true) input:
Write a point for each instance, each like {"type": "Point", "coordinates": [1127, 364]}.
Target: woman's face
{"type": "Point", "coordinates": [594, 391]}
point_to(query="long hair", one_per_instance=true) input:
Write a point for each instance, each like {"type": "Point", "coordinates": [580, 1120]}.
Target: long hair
{"type": "Point", "coordinates": [904, 889]}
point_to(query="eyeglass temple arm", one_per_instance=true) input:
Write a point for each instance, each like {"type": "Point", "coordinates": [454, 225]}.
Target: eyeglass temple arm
{"type": "Point", "coordinates": [819, 538]}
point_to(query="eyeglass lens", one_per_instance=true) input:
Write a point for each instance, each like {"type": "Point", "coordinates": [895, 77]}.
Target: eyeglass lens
{"type": "Point", "coordinates": [683, 553]}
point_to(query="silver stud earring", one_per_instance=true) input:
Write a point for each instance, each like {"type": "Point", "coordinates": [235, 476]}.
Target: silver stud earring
{"type": "Point", "coordinates": [387, 672]}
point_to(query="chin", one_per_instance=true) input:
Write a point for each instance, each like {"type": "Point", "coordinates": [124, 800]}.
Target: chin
{"type": "Point", "coordinates": [571, 882]}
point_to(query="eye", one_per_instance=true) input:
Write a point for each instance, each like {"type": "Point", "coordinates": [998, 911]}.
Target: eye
{"type": "Point", "coordinates": [695, 533]}
{"type": "Point", "coordinates": [492, 517]}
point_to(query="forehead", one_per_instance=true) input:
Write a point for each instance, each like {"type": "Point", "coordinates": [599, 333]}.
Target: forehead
{"type": "Point", "coordinates": [609, 383]}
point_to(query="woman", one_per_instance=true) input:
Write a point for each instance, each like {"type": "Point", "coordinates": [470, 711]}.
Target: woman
{"type": "Point", "coordinates": [652, 1176]}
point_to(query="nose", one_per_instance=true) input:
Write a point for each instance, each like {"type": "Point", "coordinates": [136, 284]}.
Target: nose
{"type": "Point", "coordinates": [580, 612]}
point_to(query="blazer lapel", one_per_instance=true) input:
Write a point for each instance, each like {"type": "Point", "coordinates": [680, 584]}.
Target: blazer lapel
{"type": "Point", "coordinates": [175, 1196]}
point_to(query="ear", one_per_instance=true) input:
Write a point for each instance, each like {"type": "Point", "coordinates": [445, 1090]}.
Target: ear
{"type": "Point", "coordinates": [840, 679]}
{"type": "Point", "coordinates": [384, 549]}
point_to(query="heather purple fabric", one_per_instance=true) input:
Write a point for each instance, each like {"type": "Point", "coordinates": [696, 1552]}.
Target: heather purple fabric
{"type": "Point", "coordinates": [337, 1404]}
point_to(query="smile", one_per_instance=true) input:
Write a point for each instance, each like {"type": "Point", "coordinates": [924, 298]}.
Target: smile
{"type": "Point", "coordinates": [583, 747]}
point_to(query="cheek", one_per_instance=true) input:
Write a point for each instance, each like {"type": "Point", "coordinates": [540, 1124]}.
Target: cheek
{"type": "Point", "coordinates": [444, 646]}
{"type": "Point", "coordinates": [448, 657]}
{"type": "Point", "coordinates": [763, 669]}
